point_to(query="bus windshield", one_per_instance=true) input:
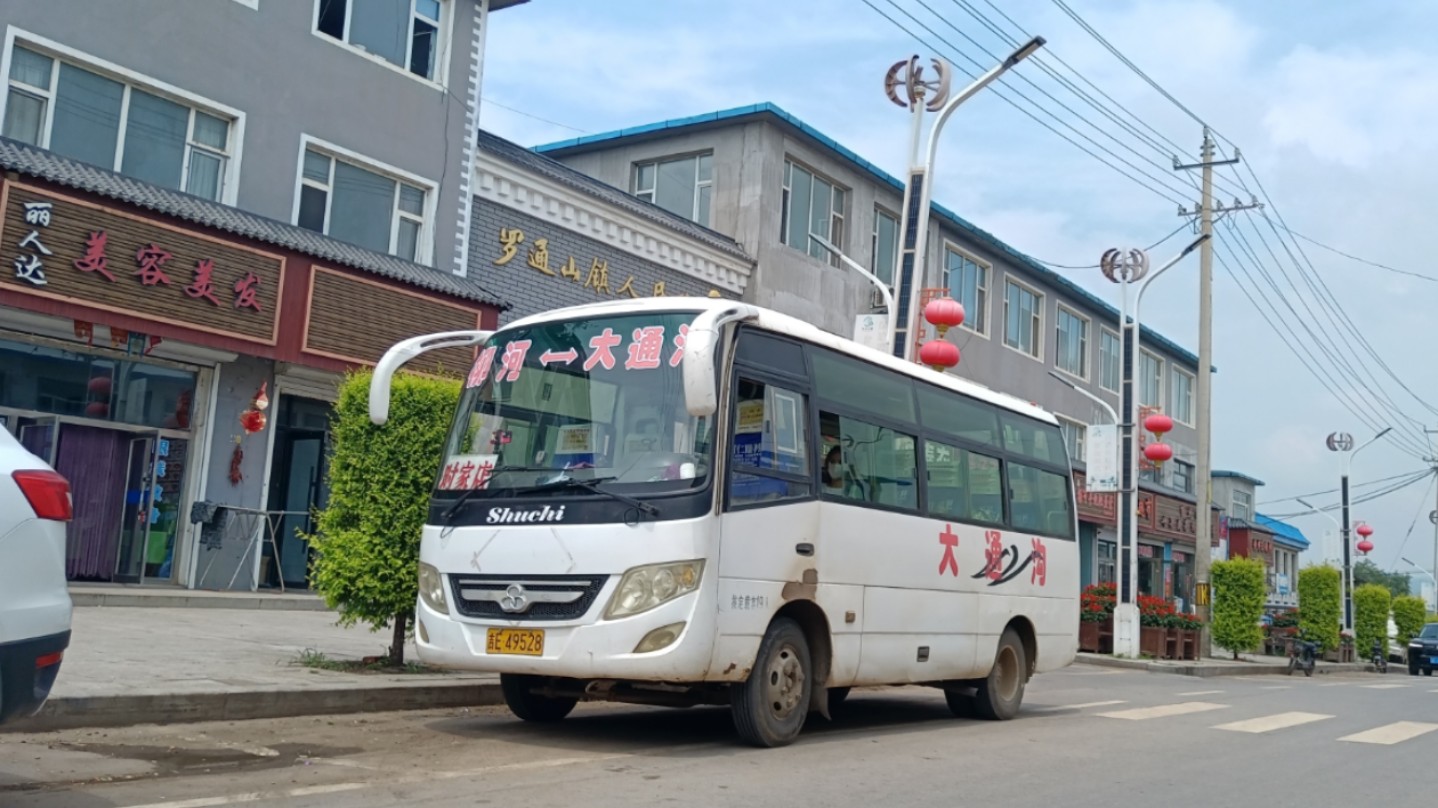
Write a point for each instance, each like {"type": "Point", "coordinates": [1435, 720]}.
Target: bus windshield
{"type": "Point", "coordinates": [597, 401]}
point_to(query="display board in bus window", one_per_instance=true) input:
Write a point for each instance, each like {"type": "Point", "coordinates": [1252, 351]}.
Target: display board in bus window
{"type": "Point", "coordinates": [874, 463]}
{"type": "Point", "coordinates": [1039, 502]}
{"type": "Point", "coordinates": [962, 417]}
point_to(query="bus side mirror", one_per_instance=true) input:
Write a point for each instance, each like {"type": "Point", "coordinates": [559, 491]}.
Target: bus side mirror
{"type": "Point", "coordinates": [701, 394]}
{"type": "Point", "coordinates": [404, 351]}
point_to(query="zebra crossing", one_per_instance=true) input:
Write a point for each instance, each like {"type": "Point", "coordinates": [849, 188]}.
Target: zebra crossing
{"type": "Point", "coordinates": [1209, 705]}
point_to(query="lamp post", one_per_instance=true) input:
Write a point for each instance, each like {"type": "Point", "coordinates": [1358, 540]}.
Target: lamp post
{"type": "Point", "coordinates": [917, 192]}
{"type": "Point", "coordinates": [1126, 267]}
{"type": "Point", "coordinates": [1343, 442]}
{"type": "Point", "coordinates": [872, 278]}
{"type": "Point", "coordinates": [1434, 605]}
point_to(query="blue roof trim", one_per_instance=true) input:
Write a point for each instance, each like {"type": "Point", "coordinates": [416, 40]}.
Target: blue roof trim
{"type": "Point", "coordinates": [1282, 531]}
{"type": "Point", "coordinates": [1236, 475]}
{"type": "Point", "coordinates": [827, 142]}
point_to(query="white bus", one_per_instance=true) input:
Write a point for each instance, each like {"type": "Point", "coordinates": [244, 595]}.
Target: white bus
{"type": "Point", "coordinates": [685, 501]}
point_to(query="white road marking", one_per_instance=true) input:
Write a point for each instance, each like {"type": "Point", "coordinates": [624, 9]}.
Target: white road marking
{"type": "Point", "coordinates": [255, 796]}
{"type": "Point", "coordinates": [1383, 687]}
{"type": "Point", "coordinates": [1165, 710]}
{"type": "Point", "coordinates": [1275, 687]}
{"type": "Point", "coordinates": [1269, 723]}
{"type": "Point", "coordinates": [1387, 735]}
{"type": "Point", "coordinates": [1083, 706]}
{"type": "Point", "coordinates": [1201, 693]}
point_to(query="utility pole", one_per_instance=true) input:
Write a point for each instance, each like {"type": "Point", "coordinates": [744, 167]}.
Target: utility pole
{"type": "Point", "coordinates": [1433, 517]}
{"type": "Point", "coordinates": [1203, 541]}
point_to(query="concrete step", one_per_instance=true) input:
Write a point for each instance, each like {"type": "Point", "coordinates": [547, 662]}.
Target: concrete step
{"type": "Point", "coordinates": [168, 597]}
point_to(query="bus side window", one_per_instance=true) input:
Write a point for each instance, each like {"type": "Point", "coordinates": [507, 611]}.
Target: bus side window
{"type": "Point", "coordinates": [769, 455]}
{"type": "Point", "coordinates": [878, 464]}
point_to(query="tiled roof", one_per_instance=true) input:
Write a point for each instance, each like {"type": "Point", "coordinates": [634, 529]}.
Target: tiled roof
{"type": "Point", "coordinates": [1282, 531]}
{"type": "Point", "coordinates": [774, 112]}
{"type": "Point", "coordinates": [35, 162]}
{"type": "Point", "coordinates": [563, 174]}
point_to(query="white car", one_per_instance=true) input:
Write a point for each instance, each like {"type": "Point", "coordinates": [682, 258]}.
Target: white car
{"type": "Point", "coordinates": [35, 606]}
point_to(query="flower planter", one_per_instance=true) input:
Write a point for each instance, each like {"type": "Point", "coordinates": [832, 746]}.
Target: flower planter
{"type": "Point", "coordinates": [1190, 643]}
{"type": "Point", "coordinates": [1089, 636]}
{"type": "Point", "coordinates": [1153, 641]}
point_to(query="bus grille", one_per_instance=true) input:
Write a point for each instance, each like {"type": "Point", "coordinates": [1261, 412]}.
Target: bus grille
{"type": "Point", "coordinates": [525, 597]}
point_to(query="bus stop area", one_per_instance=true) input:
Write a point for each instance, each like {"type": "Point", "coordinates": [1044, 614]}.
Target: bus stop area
{"type": "Point", "coordinates": [159, 659]}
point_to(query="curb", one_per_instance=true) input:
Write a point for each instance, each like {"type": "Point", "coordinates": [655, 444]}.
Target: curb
{"type": "Point", "coordinates": [186, 601]}
{"type": "Point", "coordinates": [72, 712]}
{"type": "Point", "coordinates": [1202, 670]}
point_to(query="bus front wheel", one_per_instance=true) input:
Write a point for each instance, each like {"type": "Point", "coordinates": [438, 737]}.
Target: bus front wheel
{"type": "Point", "coordinates": [771, 705]}
{"type": "Point", "coordinates": [528, 705]}
{"type": "Point", "coordinates": [998, 696]}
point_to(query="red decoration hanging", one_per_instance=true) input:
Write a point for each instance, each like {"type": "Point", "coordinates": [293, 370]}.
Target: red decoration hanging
{"type": "Point", "coordinates": [1365, 546]}
{"type": "Point", "coordinates": [1158, 452]}
{"type": "Point", "coordinates": [236, 476]}
{"type": "Point", "coordinates": [944, 313]}
{"type": "Point", "coordinates": [1158, 424]}
{"type": "Point", "coordinates": [939, 354]}
{"type": "Point", "coordinates": [1364, 530]}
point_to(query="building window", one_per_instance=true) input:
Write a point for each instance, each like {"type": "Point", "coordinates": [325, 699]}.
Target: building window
{"type": "Point", "coordinates": [885, 254]}
{"type": "Point", "coordinates": [81, 114]}
{"type": "Point", "coordinates": [1242, 505]}
{"type": "Point", "coordinates": [362, 206]}
{"type": "Point", "coordinates": [1075, 436]}
{"type": "Point", "coordinates": [1110, 364]}
{"type": "Point", "coordinates": [1150, 473]}
{"type": "Point", "coordinates": [1107, 557]}
{"type": "Point", "coordinates": [681, 186]}
{"type": "Point", "coordinates": [968, 282]}
{"type": "Point", "coordinates": [1182, 395]}
{"type": "Point", "coordinates": [405, 33]}
{"type": "Point", "coordinates": [1150, 381]}
{"type": "Point", "coordinates": [1072, 343]}
{"type": "Point", "coordinates": [812, 206]}
{"type": "Point", "coordinates": [1183, 476]}
{"type": "Point", "coordinates": [1023, 319]}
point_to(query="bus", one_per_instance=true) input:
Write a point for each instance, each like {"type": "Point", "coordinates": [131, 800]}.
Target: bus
{"type": "Point", "coordinates": [688, 501]}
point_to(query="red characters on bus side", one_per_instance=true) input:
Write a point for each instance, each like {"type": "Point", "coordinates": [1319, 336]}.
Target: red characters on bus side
{"type": "Point", "coordinates": [1039, 569]}
{"type": "Point", "coordinates": [950, 540]}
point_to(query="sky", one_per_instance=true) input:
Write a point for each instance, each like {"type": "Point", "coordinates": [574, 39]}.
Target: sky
{"type": "Point", "coordinates": [1331, 104]}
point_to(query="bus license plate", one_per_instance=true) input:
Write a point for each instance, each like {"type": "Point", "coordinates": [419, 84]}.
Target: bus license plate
{"type": "Point", "coordinates": [522, 641]}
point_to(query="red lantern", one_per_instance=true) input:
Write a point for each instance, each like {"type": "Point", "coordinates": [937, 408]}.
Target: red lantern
{"type": "Point", "coordinates": [252, 421]}
{"type": "Point", "coordinates": [1158, 423]}
{"type": "Point", "coordinates": [100, 386]}
{"type": "Point", "coordinates": [97, 409]}
{"type": "Point", "coordinates": [1365, 546]}
{"type": "Point", "coordinates": [944, 313]}
{"type": "Point", "coordinates": [939, 354]}
{"type": "Point", "coordinates": [1158, 452]}
{"type": "Point", "coordinates": [1364, 530]}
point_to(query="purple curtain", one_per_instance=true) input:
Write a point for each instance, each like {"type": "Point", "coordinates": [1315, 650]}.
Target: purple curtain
{"type": "Point", "coordinates": [94, 461]}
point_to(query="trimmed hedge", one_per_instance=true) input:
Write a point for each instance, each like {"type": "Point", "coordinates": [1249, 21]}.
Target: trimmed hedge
{"type": "Point", "coordinates": [1409, 614]}
{"type": "Point", "coordinates": [1371, 603]}
{"type": "Point", "coordinates": [1239, 591]}
{"type": "Point", "coordinates": [1320, 605]}
{"type": "Point", "coordinates": [381, 477]}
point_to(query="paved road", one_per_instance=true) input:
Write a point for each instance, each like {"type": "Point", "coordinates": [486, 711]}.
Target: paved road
{"type": "Point", "coordinates": [1088, 737]}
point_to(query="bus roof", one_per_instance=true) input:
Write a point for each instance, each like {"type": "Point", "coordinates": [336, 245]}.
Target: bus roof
{"type": "Point", "coordinates": [790, 326]}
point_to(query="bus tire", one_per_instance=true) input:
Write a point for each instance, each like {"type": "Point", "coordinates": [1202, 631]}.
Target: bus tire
{"type": "Point", "coordinates": [999, 694]}
{"type": "Point", "coordinates": [771, 705]}
{"type": "Point", "coordinates": [530, 706]}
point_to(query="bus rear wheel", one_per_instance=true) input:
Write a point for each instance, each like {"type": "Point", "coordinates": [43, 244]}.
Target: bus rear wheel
{"type": "Point", "coordinates": [998, 696]}
{"type": "Point", "coordinates": [527, 705]}
{"type": "Point", "coordinates": [771, 705]}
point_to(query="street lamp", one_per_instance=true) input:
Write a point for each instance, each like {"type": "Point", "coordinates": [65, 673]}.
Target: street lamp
{"type": "Point", "coordinates": [872, 278]}
{"type": "Point", "coordinates": [1124, 268]}
{"type": "Point", "coordinates": [1343, 442]}
{"type": "Point", "coordinates": [918, 191]}
{"type": "Point", "coordinates": [1434, 605]}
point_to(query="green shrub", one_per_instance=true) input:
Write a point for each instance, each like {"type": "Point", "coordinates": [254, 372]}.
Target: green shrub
{"type": "Point", "coordinates": [1371, 603]}
{"type": "Point", "coordinates": [367, 538]}
{"type": "Point", "coordinates": [1320, 605]}
{"type": "Point", "coordinates": [1409, 612]}
{"type": "Point", "coordinates": [1240, 588]}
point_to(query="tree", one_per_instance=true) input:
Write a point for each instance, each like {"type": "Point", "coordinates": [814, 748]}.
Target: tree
{"type": "Point", "coordinates": [380, 478]}
{"type": "Point", "coordinates": [1320, 605]}
{"type": "Point", "coordinates": [1409, 612]}
{"type": "Point", "coordinates": [1398, 584]}
{"type": "Point", "coordinates": [1371, 603]}
{"type": "Point", "coordinates": [1239, 589]}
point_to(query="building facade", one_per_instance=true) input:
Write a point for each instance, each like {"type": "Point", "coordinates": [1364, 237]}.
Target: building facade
{"type": "Point", "coordinates": [1288, 544]}
{"type": "Point", "coordinates": [182, 239]}
{"type": "Point", "coordinates": [773, 183]}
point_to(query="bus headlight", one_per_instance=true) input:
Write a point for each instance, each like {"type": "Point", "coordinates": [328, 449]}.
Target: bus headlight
{"type": "Point", "coordinates": [431, 588]}
{"type": "Point", "coordinates": [643, 588]}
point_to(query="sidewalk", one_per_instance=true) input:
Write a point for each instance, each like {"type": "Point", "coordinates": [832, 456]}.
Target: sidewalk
{"type": "Point", "coordinates": [1247, 665]}
{"type": "Point", "coordinates": [130, 665]}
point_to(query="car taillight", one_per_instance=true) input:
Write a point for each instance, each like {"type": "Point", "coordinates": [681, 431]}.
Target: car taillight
{"type": "Point", "coordinates": [48, 492]}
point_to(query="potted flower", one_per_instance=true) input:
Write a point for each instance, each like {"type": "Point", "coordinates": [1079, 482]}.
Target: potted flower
{"type": "Point", "coordinates": [1184, 631]}
{"type": "Point", "coordinates": [1096, 605]}
{"type": "Point", "coordinates": [1154, 614]}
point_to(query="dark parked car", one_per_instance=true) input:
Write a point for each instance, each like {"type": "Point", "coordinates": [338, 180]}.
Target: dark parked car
{"type": "Point", "coordinates": [1423, 651]}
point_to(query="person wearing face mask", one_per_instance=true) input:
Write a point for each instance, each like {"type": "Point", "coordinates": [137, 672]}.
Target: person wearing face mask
{"type": "Point", "coordinates": [833, 472]}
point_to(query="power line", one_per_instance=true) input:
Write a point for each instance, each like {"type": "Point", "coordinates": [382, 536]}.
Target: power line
{"type": "Point", "coordinates": [1379, 481]}
{"type": "Point", "coordinates": [1351, 257]}
{"type": "Point", "coordinates": [1175, 232]}
{"type": "Point", "coordinates": [530, 115]}
{"type": "Point", "coordinates": [1422, 505]}
{"type": "Point", "coordinates": [1359, 501]}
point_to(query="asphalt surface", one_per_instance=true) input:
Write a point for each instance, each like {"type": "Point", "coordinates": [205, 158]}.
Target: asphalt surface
{"type": "Point", "coordinates": [1087, 737]}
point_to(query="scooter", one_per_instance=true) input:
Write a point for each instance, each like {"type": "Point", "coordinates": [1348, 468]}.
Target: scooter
{"type": "Point", "coordinates": [1380, 657]}
{"type": "Point", "coordinates": [1302, 655]}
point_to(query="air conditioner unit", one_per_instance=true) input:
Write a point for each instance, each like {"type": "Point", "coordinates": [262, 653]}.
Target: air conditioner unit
{"type": "Point", "coordinates": [876, 299]}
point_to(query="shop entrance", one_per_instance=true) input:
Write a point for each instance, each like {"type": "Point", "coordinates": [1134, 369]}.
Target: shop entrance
{"type": "Point", "coordinates": [298, 486]}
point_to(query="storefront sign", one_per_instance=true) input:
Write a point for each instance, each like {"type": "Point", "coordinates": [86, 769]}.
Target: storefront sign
{"type": "Point", "coordinates": [1095, 507]}
{"type": "Point", "coordinates": [1175, 518]}
{"type": "Point", "coordinates": [67, 249]}
{"type": "Point", "coordinates": [588, 273]}
{"type": "Point", "coordinates": [1158, 515]}
{"type": "Point", "coordinates": [357, 319]}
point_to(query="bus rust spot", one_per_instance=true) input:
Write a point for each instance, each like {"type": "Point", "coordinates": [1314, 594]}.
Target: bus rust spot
{"type": "Point", "coordinates": [730, 669]}
{"type": "Point", "coordinates": [804, 589]}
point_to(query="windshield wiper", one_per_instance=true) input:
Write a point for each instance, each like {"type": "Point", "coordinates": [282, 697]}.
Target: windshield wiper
{"type": "Point", "coordinates": [464, 496]}
{"type": "Point", "coordinates": [592, 484]}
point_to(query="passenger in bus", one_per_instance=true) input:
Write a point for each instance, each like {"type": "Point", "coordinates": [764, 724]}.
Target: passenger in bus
{"type": "Point", "coordinates": [833, 471]}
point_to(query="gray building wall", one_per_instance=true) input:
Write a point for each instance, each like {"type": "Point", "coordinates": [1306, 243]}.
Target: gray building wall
{"type": "Point", "coordinates": [266, 62]}
{"type": "Point", "coordinates": [747, 205]}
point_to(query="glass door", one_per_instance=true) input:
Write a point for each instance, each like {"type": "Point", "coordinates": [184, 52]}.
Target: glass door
{"type": "Point", "coordinates": [140, 511]}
